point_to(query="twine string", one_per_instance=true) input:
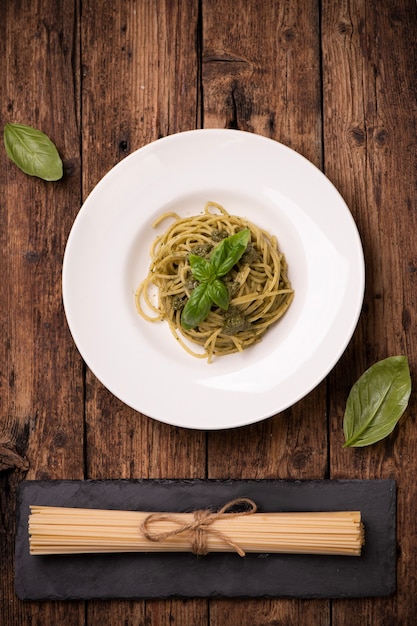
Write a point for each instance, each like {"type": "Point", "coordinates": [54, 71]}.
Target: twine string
{"type": "Point", "coordinates": [200, 527]}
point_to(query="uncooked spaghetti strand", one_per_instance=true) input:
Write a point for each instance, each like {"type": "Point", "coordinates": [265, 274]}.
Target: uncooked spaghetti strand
{"type": "Point", "coordinates": [63, 530]}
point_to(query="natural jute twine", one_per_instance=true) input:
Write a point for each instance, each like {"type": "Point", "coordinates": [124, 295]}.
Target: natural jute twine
{"type": "Point", "coordinates": [200, 526]}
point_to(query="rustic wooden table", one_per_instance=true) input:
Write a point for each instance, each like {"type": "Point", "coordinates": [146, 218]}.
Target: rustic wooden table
{"type": "Point", "coordinates": [334, 80]}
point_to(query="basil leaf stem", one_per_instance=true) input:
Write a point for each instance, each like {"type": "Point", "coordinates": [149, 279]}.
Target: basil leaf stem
{"type": "Point", "coordinates": [32, 151]}
{"type": "Point", "coordinates": [376, 402]}
{"type": "Point", "coordinates": [211, 289]}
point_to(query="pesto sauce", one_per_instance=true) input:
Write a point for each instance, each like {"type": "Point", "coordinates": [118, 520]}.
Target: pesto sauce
{"type": "Point", "coordinates": [235, 322]}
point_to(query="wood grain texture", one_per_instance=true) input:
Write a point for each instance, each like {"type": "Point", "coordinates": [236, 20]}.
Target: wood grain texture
{"type": "Point", "coordinates": [246, 84]}
{"type": "Point", "coordinates": [371, 154]}
{"type": "Point", "coordinates": [42, 388]}
{"type": "Point", "coordinates": [142, 85]}
{"type": "Point", "coordinates": [253, 76]}
{"type": "Point", "coordinates": [149, 47]}
{"type": "Point", "coordinates": [253, 81]}
{"type": "Point", "coordinates": [39, 356]}
{"type": "Point", "coordinates": [334, 80]}
{"type": "Point", "coordinates": [270, 612]}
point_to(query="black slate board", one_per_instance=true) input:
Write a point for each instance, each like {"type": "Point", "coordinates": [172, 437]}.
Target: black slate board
{"type": "Point", "coordinates": [162, 575]}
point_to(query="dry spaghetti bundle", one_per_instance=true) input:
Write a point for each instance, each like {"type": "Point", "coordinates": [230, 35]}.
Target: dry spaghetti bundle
{"type": "Point", "coordinates": [259, 288]}
{"type": "Point", "coordinates": [59, 530]}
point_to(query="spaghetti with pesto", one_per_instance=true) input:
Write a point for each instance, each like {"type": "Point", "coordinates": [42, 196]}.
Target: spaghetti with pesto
{"type": "Point", "coordinates": [258, 288]}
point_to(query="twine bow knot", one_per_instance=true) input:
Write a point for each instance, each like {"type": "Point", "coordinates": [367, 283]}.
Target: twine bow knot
{"type": "Point", "coordinates": [200, 527]}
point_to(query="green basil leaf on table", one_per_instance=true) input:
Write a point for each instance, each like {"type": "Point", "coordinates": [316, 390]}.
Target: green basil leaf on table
{"type": "Point", "coordinates": [32, 151]}
{"type": "Point", "coordinates": [197, 307]}
{"type": "Point", "coordinates": [377, 401]}
{"type": "Point", "coordinates": [228, 252]}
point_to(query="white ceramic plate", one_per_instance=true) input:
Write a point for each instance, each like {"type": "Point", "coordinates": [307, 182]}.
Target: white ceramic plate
{"type": "Point", "coordinates": [107, 256]}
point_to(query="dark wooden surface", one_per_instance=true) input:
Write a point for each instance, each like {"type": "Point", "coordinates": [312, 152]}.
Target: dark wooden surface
{"type": "Point", "coordinates": [336, 81]}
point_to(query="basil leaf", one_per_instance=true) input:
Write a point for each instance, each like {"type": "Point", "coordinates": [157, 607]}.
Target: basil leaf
{"type": "Point", "coordinates": [32, 151]}
{"type": "Point", "coordinates": [376, 402]}
{"type": "Point", "coordinates": [228, 252]}
{"type": "Point", "coordinates": [197, 307]}
{"type": "Point", "coordinates": [211, 289]}
{"type": "Point", "coordinates": [201, 268]}
{"type": "Point", "coordinates": [219, 293]}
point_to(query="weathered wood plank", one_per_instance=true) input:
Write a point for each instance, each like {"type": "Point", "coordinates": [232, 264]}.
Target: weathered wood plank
{"type": "Point", "coordinates": [261, 70]}
{"type": "Point", "coordinates": [39, 355]}
{"type": "Point", "coordinates": [270, 612]}
{"type": "Point", "coordinates": [370, 115]}
{"type": "Point", "coordinates": [148, 45]}
{"type": "Point", "coordinates": [42, 384]}
{"type": "Point", "coordinates": [141, 86]}
{"type": "Point", "coordinates": [160, 612]}
{"type": "Point", "coordinates": [261, 73]}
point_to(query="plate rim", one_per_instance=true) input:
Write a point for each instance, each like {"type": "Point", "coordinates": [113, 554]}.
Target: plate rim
{"type": "Point", "coordinates": [157, 143]}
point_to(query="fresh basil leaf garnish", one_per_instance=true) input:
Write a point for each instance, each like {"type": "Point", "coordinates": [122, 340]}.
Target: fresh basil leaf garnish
{"type": "Point", "coordinates": [201, 268]}
{"type": "Point", "coordinates": [228, 252]}
{"type": "Point", "coordinates": [377, 401]}
{"type": "Point", "coordinates": [32, 151]}
{"type": "Point", "coordinates": [197, 307]}
{"type": "Point", "coordinates": [208, 272]}
{"type": "Point", "coordinates": [219, 293]}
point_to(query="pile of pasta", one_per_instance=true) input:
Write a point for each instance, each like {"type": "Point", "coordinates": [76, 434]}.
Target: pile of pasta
{"type": "Point", "coordinates": [260, 288]}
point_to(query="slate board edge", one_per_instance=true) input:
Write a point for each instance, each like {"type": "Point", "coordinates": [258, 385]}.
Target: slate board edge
{"type": "Point", "coordinates": [89, 483]}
